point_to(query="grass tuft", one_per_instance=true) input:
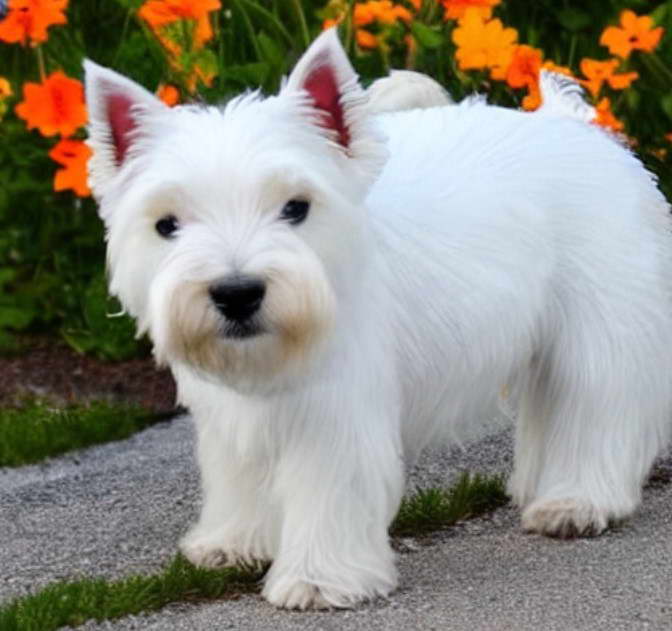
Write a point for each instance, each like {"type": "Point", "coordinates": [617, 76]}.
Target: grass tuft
{"type": "Point", "coordinates": [437, 508]}
{"type": "Point", "coordinates": [73, 603]}
{"type": "Point", "coordinates": [36, 431]}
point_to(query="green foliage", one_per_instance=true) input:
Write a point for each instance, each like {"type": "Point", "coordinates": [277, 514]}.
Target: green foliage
{"type": "Point", "coordinates": [51, 252]}
{"type": "Point", "coordinates": [103, 328]}
{"type": "Point", "coordinates": [51, 244]}
{"type": "Point", "coordinates": [436, 508]}
{"type": "Point", "coordinates": [73, 603]}
{"type": "Point", "coordinates": [37, 431]}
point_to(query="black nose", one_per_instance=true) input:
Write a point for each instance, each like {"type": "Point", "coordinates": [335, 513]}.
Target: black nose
{"type": "Point", "coordinates": [239, 298]}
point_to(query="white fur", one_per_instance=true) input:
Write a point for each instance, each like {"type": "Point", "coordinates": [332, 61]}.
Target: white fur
{"type": "Point", "coordinates": [492, 248]}
{"type": "Point", "coordinates": [405, 90]}
{"type": "Point", "coordinates": [563, 96]}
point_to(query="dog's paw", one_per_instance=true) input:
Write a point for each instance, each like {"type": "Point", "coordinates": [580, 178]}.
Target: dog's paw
{"type": "Point", "coordinates": [297, 595]}
{"type": "Point", "coordinates": [204, 554]}
{"type": "Point", "coordinates": [209, 553]}
{"type": "Point", "coordinates": [330, 592]}
{"type": "Point", "coordinates": [564, 518]}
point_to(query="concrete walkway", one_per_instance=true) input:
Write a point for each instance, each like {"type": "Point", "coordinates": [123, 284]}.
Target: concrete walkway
{"type": "Point", "coordinates": [120, 509]}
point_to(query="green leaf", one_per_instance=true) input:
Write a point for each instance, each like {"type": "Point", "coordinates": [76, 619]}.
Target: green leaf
{"type": "Point", "coordinates": [105, 334]}
{"type": "Point", "coordinates": [7, 274]}
{"type": "Point", "coordinates": [206, 60]}
{"type": "Point", "coordinates": [426, 36]}
{"type": "Point", "coordinates": [272, 52]}
{"type": "Point", "coordinates": [574, 19]}
{"type": "Point", "coordinates": [658, 15]}
{"type": "Point", "coordinates": [248, 74]}
{"type": "Point", "coordinates": [130, 4]}
{"type": "Point", "coordinates": [666, 104]}
{"type": "Point", "coordinates": [16, 317]}
{"type": "Point", "coordinates": [632, 98]}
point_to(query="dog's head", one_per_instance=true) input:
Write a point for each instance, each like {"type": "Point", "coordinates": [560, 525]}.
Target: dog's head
{"type": "Point", "coordinates": [236, 234]}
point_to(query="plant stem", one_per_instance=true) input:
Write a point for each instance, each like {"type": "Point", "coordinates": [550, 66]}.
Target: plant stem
{"type": "Point", "coordinates": [572, 51]}
{"type": "Point", "coordinates": [302, 22]}
{"type": "Point", "coordinates": [124, 30]}
{"type": "Point", "coordinates": [271, 18]}
{"type": "Point", "coordinates": [250, 30]}
{"type": "Point", "coordinates": [350, 28]}
{"type": "Point", "coordinates": [661, 66]}
{"type": "Point", "coordinates": [40, 63]}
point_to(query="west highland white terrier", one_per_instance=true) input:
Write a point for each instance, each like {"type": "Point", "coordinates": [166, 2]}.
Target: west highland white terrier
{"type": "Point", "coordinates": [335, 289]}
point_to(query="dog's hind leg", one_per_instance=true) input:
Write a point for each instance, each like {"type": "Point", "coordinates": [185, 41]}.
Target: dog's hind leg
{"type": "Point", "coordinates": [595, 415]}
{"type": "Point", "coordinates": [529, 439]}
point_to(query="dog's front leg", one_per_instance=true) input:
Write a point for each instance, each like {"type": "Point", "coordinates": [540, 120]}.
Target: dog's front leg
{"type": "Point", "coordinates": [339, 484]}
{"type": "Point", "coordinates": [237, 523]}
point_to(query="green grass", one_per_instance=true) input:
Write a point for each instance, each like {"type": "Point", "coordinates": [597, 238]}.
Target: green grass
{"type": "Point", "coordinates": [36, 431]}
{"type": "Point", "coordinates": [73, 603]}
{"type": "Point", "coordinates": [437, 508]}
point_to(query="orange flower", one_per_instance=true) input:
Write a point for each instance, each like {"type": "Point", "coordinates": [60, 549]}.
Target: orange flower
{"type": "Point", "coordinates": [329, 22]}
{"type": "Point", "coordinates": [597, 72]}
{"type": "Point", "coordinates": [55, 106]}
{"type": "Point", "coordinates": [5, 92]}
{"type": "Point", "coordinates": [524, 69]}
{"type": "Point", "coordinates": [605, 116]}
{"type": "Point", "coordinates": [668, 137]}
{"type": "Point", "coordinates": [169, 94]}
{"type": "Point", "coordinates": [484, 44]}
{"type": "Point", "coordinates": [524, 73]}
{"type": "Point", "coordinates": [363, 14]}
{"type": "Point", "coordinates": [623, 80]}
{"type": "Point", "coordinates": [73, 155]}
{"type": "Point", "coordinates": [159, 13]}
{"type": "Point", "coordinates": [30, 19]}
{"type": "Point", "coordinates": [5, 88]}
{"type": "Point", "coordinates": [383, 11]}
{"type": "Point", "coordinates": [635, 33]}
{"type": "Point", "coordinates": [455, 9]}
{"type": "Point", "coordinates": [366, 39]}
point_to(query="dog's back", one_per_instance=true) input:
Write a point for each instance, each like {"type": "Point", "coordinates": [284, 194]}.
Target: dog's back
{"type": "Point", "coordinates": [506, 234]}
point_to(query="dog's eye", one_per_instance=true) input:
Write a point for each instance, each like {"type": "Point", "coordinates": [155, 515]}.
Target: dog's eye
{"type": "Point", "coordinates": [295, 211]}
{"type": "Point", "coordinates": [166, 226]}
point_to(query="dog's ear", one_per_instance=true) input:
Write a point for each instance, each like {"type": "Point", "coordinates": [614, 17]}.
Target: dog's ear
{"type": "Point", "coordinates": [325, 73]}
{"type": "Point", "coordinates": [115, 105]}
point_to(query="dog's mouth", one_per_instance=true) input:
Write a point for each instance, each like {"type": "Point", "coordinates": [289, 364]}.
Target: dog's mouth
{"type": "Point", "coordinates": [241, 330]}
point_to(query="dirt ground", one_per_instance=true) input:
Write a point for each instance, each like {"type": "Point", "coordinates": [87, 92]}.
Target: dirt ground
{"type": "Point", "coordinates": [54, 371]}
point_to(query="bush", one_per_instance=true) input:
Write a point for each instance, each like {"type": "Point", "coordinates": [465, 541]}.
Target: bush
{"type": "Point", "coordinates": [51, 242]}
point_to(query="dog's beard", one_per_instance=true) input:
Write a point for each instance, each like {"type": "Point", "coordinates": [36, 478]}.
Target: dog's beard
{"type": "Point", "coordinates": [277, 345]}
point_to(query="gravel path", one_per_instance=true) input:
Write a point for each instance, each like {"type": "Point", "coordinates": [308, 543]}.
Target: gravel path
{"type": "Point", "coordinates": [120, 508]}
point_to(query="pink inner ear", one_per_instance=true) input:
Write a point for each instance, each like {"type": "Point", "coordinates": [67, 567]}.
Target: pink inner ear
{"type": "Point", "coordinates": [121, 123]}
{"type": "Point", "coordinates": [322, 85]}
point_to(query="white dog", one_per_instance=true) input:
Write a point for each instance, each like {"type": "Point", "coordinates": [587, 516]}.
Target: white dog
{"type": "Point", "coordinates": [334, 290]}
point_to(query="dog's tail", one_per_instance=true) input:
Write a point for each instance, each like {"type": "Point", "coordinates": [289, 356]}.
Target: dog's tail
{"type": "Point", "coordinates": [563, 96]}
{"type": "Point", "coordinates": [405, 90]}
{"type": "Point", "coordinates": [402, 90]}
